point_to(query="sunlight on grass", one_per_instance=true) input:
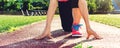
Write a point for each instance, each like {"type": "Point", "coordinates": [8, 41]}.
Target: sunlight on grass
{"type": "Point", "coordinates": [11, 22]}
{"type": "Point", "coordinates": [108, 19]}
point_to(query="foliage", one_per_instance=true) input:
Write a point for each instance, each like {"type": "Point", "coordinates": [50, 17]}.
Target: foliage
{"type": "Point", "coordinates": [15, 5]}
{"type": "Point", "coordinates": [104, 5]}
{"type": "Point", "coordinates": [12, 22]}
{"type": "Point", "coordinates": [100, 6]}
{"type": "Point", "coordinates": [90, 47]}
{"type": "Point", "coordinates": [92, 6]}
{"type": "Point", "coordinates": [81, 46]}
{"type": "Point", "coordinates": [78, 46]}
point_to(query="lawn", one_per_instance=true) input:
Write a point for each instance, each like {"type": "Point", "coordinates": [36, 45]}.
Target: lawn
{"type": "Point", "coordinates": [108, 19]}
{"type": "Point", "coordinates": [13, 21]}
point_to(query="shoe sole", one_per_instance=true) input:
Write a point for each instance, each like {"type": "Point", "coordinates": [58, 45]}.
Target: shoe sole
{"type": "Point", "coordinates": [77, 35]}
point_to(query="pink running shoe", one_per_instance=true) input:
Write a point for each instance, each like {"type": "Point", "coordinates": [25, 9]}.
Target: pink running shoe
{"type": "Point", "coordinates": [75, 30]}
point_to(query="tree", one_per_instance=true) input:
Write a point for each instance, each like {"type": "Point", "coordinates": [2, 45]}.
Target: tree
{"type": "Point", "coordinates": [100, 6]}
{"type": "Point", "coordinates": [92, 6]}
{"type": "Point", "coordinates": [104, 5]}
{"type": "Point", "coordinates": [1, 5]}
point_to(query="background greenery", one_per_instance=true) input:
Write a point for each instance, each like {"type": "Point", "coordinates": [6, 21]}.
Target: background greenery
{"type": "Point", "coordinates": [95, 6]}
{"type": "Point", "coordinates": [11, 21]}
{"type": "Point", "coordinates": [15, 5]}
{"type": "Point", "coordinates": [100, 6]}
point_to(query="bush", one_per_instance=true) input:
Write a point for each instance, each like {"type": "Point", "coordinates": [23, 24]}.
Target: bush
{"type": "Point", "coordinates": [92, 6]}
{"type": "Point", "coordinates": [81, 46]}
{"type": "Point", "coordinates": [100, 6]}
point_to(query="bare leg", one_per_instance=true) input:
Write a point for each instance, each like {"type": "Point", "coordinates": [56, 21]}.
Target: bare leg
{"type": "Point", "coordinates": [51, 11]}
{"type": "Point", "coordinates": [84, 12]}
{"type": "Point", "coordinates": [76, 15]}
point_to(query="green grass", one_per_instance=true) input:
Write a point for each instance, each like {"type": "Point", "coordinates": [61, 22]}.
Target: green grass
{"type": "Point", "coordinates": [108, 19]}
{"type": "Point", "coordinates": [81, 46]}
{"type": "Point", "coordinates": [8, 22]}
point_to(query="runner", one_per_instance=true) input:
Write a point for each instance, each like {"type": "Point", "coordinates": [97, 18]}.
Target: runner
{"type": "Point", "coordinates": [79, 8]}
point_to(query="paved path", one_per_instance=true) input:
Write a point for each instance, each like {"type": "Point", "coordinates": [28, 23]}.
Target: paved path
{"type": "Point", "coordinates": [23, 38]}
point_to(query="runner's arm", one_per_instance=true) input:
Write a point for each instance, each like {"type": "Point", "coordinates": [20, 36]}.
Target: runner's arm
{"type": "Point", "coordinates": [84, 11]}
{"type": "Point", "coordinates": [51, 11]}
